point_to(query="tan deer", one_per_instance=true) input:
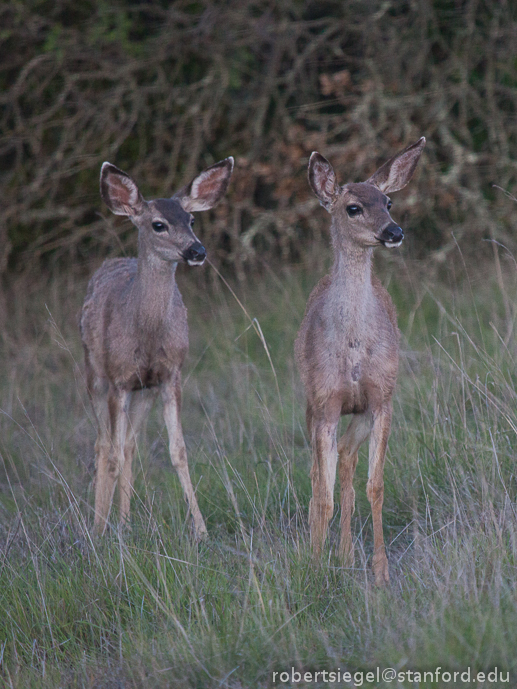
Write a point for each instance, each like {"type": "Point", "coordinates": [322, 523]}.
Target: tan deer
{"type": "Point", "coordinates": [135, 333]}
{"type": "Point", "coordinates": [347, 348]}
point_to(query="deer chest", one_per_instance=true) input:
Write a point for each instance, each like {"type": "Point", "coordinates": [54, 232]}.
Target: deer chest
{"type": "Point", "coordinates": [147, 363]}
{"type": "Point", "coordinates": [155, 366]}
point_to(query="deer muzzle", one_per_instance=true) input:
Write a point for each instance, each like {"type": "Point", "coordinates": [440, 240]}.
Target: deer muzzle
{"type": "Point", "coordinates": [391, 236]}
{"type": "Point", "coordinates": [195, 255]}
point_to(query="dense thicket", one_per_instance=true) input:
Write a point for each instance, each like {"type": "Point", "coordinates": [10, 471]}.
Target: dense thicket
{"type": "Point", "coordinates": [163, 89]}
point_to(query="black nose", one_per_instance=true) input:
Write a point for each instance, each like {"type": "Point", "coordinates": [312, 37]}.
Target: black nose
{"type": "Point", "coordinates": [196, 252]}
{"type": "Point", "coordinates": [392, 233]}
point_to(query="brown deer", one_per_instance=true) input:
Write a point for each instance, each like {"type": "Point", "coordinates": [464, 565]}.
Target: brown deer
{"type": "Point", "coordinates": [135, 333]}
{"type": "Point", "coordinates": [348, 345]}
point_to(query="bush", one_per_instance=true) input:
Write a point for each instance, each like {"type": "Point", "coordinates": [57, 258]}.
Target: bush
{"type": "Point", "coordinates": [163, 90]}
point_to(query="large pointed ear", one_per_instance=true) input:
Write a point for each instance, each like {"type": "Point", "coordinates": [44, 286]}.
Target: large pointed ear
{"type": "Point", "coordinates": [397, 172]}
{"type": "Point", "coordinates": [119, 192]}
{"type": "Point", "coordinates": [207, 189]}
{"type": "Point", "coordinates": [322, 179]}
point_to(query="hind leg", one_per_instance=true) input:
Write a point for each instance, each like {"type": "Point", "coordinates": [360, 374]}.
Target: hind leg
{"type": "Point", "coordinates": [348, 447]}
{"type": "Point", "coordinates": [110, 458]}
{"type": "Point", "coordinates": [139, 408]}
{"type": "Point", "coordinates": [98, 392]}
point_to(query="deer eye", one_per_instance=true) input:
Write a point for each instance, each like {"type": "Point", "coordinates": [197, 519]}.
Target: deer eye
{"type": "Point", "coordinates": [353, 210]}
{"type": "Point", "coordinates": [159, 226]}
{"type": "Point", "coordinates": [389, 205]}
{"type": "Point", "coordinates": [191, 222]}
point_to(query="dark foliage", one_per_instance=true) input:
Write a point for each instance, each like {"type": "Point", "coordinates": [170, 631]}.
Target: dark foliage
{"type": "Point", "coordinates": [164, 89]}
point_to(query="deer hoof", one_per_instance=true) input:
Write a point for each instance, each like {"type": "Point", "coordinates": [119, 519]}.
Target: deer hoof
{"type": "Point", "coordinates": [200, 533]}
{"type": "Point", "coordinates": [380, 570]}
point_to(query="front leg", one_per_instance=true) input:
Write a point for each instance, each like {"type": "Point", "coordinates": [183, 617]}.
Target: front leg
{"type": "Point", "coordinates": [323, 476]}
{"type": "Point", "coordinates": [375, 489]}
{"type": "Point", "coordinates": [171, 395]}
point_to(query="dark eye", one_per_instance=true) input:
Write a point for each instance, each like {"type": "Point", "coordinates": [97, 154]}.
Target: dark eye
{"type": "Point", "coordinates": [159, 226]}
{"type": "Point", "coordinates": [191, 221]}
{"type": "Point", "coordinates": [353, 210]}
{"type": "Point", "coordinates": [389, 205]}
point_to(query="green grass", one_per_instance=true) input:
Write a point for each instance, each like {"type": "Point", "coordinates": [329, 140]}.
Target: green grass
{"type": "Point", "coordinates": [150, 608]}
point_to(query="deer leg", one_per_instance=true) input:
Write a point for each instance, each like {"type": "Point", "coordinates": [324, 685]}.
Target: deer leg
{"type": "Point", "coordinates": [375, 490]}
{"type": "Point", "coordinates": [358, 430]}
{"type": "Point", "coordinates": [171, 395]}
{"type": "Point", "coordinates": [140, 406]}
{"type": "Point", "coordinates": [308, 420]}
{"type": "Point", "coordinates": [323, 477]}
{"type": "Point", "coordinates": [111, 460]}
{"type": "Point", "coordinates": [98, 392]}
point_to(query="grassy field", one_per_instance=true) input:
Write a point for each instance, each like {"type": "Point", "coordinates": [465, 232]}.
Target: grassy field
{"type": "Point", "coordinates": [150, 608]}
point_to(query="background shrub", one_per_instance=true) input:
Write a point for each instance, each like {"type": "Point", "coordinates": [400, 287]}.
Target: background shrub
{"type": "Point", "coordinates": [163, 89]}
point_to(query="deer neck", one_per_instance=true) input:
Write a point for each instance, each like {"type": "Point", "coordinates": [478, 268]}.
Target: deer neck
{"type": "Point", "coordinates": [154, 290]}
{"type": "Point", "coordinates": [351, 280]}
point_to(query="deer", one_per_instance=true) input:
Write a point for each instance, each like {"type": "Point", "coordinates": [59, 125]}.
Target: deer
{"type": "Point", "coordinates": [347, 349]}
{"type": "Point", "coordinates": [134, 331]}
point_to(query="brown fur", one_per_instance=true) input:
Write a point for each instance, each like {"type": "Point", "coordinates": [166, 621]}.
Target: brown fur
{"type": "Point", "coordinates": [347, 348]}
{"type": "Point", "coordinates": [135, 333]}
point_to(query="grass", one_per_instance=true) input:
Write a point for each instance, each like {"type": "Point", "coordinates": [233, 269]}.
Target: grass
{"type": "Point", "coordinates": [150, 608]}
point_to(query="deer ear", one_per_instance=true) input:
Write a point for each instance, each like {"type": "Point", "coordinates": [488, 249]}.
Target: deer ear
{"type": "Point", "coordinates": [396, 172]}
{"type": "Point", "coordinates": [322, 180]}
{"type": "Point", "coordinates": [119, 192]}
{"type": "Point", "coordinates": [206, 189]}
